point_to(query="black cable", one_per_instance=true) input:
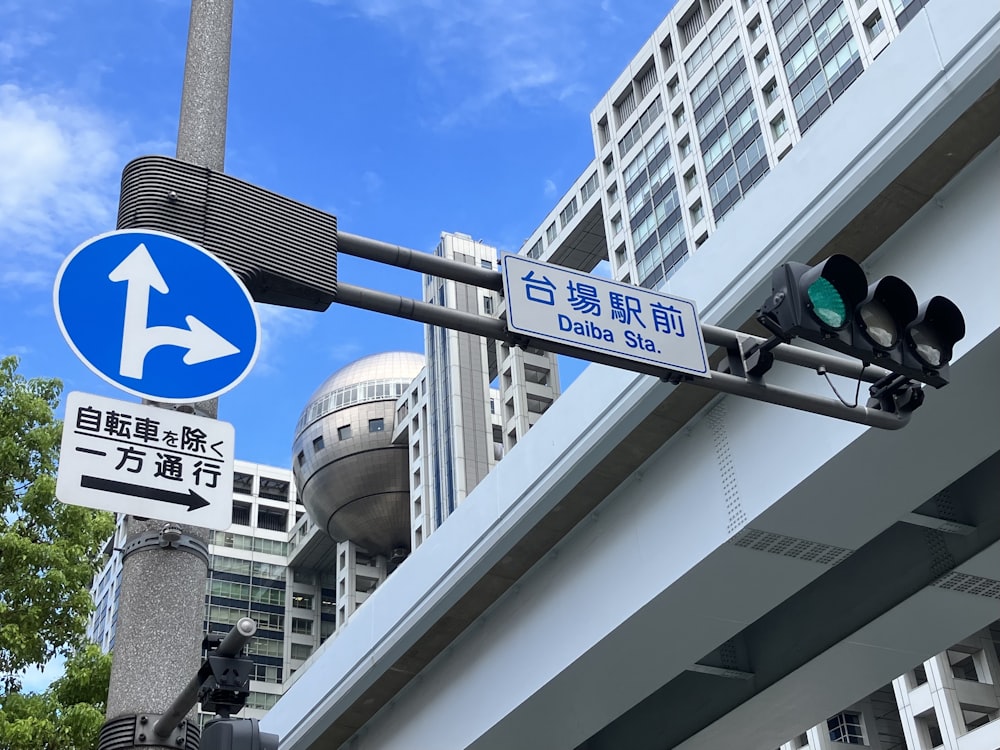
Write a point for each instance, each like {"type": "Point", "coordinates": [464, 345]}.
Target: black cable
{"type": "Point", "coordinates": [857, 393]}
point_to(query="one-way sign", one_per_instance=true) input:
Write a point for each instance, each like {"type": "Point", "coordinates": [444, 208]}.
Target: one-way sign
{"type": "Point", "coordinates": [146, 461]}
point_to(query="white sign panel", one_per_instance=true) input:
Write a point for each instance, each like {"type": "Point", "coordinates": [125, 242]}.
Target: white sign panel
{"type": "Point", "coordinates": [557, 304]}
{"type": "Point", "coordinates": [146, 461]}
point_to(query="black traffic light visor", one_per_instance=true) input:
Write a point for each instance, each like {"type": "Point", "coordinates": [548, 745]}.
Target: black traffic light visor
{"type": "Point", "coordinates": [886, 311]}
{"type": "Point", "coordinates": [939, 324]}
{"type": "Point", "coordinates": [832, 290]}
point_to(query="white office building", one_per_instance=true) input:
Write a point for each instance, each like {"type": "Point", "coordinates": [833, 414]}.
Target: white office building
{"type": "Point", "coordinates": [715, 98]}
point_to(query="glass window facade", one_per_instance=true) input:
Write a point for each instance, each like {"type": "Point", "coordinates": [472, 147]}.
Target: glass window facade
{"type": "Point", "coordinates": [818, 51]}
{"type": "Point", "coordinates": [732, 143]}
{"type": "Point", "coordinates": [653, 212]}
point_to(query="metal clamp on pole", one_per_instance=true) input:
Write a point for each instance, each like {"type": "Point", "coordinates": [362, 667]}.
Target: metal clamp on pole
{"type": "Point", "coordinates": [169, 537]}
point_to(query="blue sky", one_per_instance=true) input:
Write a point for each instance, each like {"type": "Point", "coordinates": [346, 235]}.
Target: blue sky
{"type": "Point", "coordinates": [404, 118]}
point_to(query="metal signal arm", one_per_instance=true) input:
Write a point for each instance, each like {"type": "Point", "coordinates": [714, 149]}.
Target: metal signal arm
{"type": "Point", "coordinates": [739, 381]}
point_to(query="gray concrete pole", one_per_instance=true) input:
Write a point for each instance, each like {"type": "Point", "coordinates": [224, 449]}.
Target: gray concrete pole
{"type": "Point", "coordinates": [201, 135]}
{"type": "Point", "coordinates": [161, 607]}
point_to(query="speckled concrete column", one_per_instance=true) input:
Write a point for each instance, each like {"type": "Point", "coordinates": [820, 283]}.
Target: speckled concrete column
{"type": "Point", "coordinates": [160, 614]}
{"type": "Point", "coordinates": [201, 135]}
{"type": "Point", "coordinates": [162, 599]}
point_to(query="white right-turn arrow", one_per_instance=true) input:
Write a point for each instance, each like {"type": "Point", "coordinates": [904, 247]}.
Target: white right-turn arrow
{"type": "Point", "coordinates": [140, 273]}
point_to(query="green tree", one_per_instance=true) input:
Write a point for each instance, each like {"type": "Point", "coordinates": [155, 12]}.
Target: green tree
{"type": "Point", "coordinates": [67, 716]}
{"type": "Point", "coordinates": [49, 551]}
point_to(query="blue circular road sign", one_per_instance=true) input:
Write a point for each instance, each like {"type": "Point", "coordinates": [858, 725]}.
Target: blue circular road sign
{"type": "Point", "coordinates": [157, 316]}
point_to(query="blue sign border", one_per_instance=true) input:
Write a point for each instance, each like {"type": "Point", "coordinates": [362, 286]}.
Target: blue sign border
{"type": "Point", "coordinates": [223, 383]}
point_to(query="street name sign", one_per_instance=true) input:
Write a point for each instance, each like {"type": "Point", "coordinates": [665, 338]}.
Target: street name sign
{"type": "Point", "coordinates": [146, 461]}
{"type": "Point", "coordinates": [553, 303]}
{"type": "Point", "coordinates": [156, 316]}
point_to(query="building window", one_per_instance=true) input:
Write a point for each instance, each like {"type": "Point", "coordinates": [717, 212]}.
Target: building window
{"type": "Point", "coordinates": [302, 601]}
{"type": "Point", "coordinates": [300, 651]}
{"type": "Point", "coordinates": [846, 727]}
{"type": "Point", "coordinates": [376, 425]}
{"type": "Point", "coordinates": [667, 50]}
{"type": "Point", "coordinates": [487, 306]}
{"type": "Point", "coordinates": [301, 458]}
{"type": "Point", "coordinates": [272, 519]}
{"type": "Point", "coordinates": [697, 212]}
{"type": "Point", "coordinates": [241, 513]}
{"type": "Point", "coordinates": [486, 264]}
{"type": "Point", "coordinates": [771, 91]}
{"type": "Point", "coordinates": [603, 132]}
{"type": "Point", "coordinates": [243, 483]}
{"type": "Point", "coordinates": [963, 666]}
{"type": "Point", "coordinates": [691, 179]}
{"type": "Point", "coordinates": [646, 80]}
{"type": "Point", "coordinates": [624, 106]}
{"type": "Point", "coordinates": [567, 213]}
{"type": "Point", "coordinates": [874, 26]}
{"type": "Point", "coordinates": [616, 225]}
{"type": "Point", "coordinates": [763, 59]}
{"type": "Point", "coordinates": [679, 117]}
{"type": "Point", "coordinates": [684, 147]}
{"type": "Point", "coordinates": [674, 87]}
{"type": "Point", "coordinates": [779, 125]}
{"type": "Point", "coordinates": [273, 489]}
{"type": "Point", "coordinates": [550, 233]}
{"type": "Point", "coordinates": [318, 444]}
{"type": "Point", "coordinates": [928, 726]}
{"type": "Point", "coordinates": [691, 24]}
{"type": "Point", "coordinates": [344, 432]}
{"type": "Point", "coordinates": [302, 627]}
{"type": "Point", "coordinates": [755, 27]}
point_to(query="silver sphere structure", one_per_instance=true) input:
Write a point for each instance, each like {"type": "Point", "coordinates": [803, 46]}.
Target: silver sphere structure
{"type": "Point", "coordinates": [352, 480]}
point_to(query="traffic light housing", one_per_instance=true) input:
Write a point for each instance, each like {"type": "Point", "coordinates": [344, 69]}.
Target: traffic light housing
{"type": "Point", "coordinates": [833, 305]}
{"type": "Point", "coordinates": [237, 734]}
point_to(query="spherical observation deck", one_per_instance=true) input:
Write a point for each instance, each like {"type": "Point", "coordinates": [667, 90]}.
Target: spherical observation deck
{"type": "Point", "coordinates": [353, 481]}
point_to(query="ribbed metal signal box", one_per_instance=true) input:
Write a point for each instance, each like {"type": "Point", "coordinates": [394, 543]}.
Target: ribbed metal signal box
{"type": "Point", "coordinates": [284, 251]}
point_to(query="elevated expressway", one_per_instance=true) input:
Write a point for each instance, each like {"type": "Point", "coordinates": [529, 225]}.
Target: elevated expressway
{"type": "Point", "coordinates": [652, 567]}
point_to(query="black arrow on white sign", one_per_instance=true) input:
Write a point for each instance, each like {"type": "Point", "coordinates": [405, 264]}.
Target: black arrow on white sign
{"type": "Point", "coordinates": [191, 499]}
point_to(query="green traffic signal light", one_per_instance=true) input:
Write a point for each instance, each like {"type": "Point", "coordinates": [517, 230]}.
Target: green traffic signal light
{"type": "Point", "coordinates": [827, 303]}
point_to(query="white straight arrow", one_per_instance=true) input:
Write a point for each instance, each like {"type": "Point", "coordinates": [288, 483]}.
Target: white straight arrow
{"type": "Point", "coordinates": [141, 274]}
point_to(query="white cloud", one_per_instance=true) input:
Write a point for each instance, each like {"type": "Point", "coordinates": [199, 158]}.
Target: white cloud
{"type": "Point", "coordinates": [549, 188]}
{"type": "Point", "coordinates": [17, 43]}
{"type": "Point", "coordinates": [58, 177]}
{"type": "Point", "coordinates": [26, 279]}
{"type": "Point", "coordinates": [278, 324]}
{"type": "Point", "coordinates": [519, 49]}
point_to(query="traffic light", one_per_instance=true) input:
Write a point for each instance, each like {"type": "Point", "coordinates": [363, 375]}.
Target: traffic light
{"type": "Point", "coordinates": [237, 734]}
{"type": "Point", "coordinates": [833, 305]}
